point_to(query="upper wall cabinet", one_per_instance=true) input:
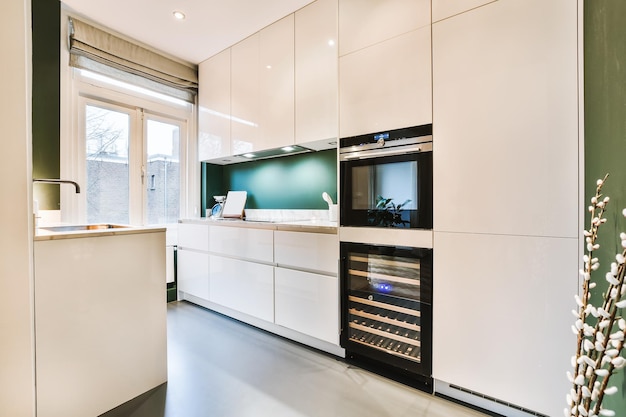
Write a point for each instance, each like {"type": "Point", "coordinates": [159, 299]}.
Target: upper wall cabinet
{"type": "Point", "coordinates": [276, 84]}
{"type": "Point", "coordinates": [446, 8]}
{"type": "Point", "coordinates": [505, 110]}
{"type": "Point", "coordinates": [214, 107]}
{"type": "Point", "coordinates": [366, 22]}
{"type": "Point", "coordinates": [316, 71]}
{"type": "Point", "coordinates": [245, 95]}
{"type": "Point", "coordinates": [262, 89]}
{"type": "Point", "coordinates": [387, 85]}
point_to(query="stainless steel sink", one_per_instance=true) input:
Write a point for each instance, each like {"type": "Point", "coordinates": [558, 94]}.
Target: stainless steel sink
{"type": "Point", "coordinates": [83, 227]}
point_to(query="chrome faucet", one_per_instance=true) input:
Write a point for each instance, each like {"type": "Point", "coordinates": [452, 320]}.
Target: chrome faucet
{"type": "Point", "coordinates": [55, 181]}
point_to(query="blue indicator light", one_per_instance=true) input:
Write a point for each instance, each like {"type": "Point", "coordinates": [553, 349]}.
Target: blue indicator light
{"type": "Point", "coordinates": [381, 136]}
{"type": "Point", "coordinates": [382, 287]}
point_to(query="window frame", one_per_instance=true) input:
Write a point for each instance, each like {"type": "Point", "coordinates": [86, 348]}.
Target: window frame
{"type": "Point", "coordinates": [82, 90]}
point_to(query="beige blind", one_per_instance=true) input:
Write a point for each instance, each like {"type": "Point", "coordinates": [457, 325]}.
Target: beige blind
{"type": "Point", "coordinates": [94, 49]}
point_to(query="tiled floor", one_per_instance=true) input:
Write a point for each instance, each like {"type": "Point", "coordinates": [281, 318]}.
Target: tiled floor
{"type": "Point", "coordinates": [219, 367]}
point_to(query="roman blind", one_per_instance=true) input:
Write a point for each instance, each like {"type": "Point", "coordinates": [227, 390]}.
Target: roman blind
{"type": "Point", "coordinates": [96, 50]}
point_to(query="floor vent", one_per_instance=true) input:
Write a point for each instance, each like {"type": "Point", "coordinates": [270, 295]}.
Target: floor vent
{"type": "Point", "coordinates": [497, 401]}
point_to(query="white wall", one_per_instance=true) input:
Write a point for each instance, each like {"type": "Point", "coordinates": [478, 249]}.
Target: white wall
{"type": "Point", "coordinates": [17, 398]}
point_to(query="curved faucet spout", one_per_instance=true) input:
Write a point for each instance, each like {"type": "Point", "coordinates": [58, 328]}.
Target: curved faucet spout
{"type": "Point", "coordinates": [56, 181]}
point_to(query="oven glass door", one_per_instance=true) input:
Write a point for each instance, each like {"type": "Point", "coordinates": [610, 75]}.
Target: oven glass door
{"type": "Point", "coordinates": [387, 191]}
{"type": "Point", "coordinates": [387, 304]}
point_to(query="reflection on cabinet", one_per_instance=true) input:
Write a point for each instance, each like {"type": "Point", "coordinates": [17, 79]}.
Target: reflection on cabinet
{"type": "Point", "coordinates": [276, 84]}
{"type": "Point", "coordinates": [364, 23]}
{"type": "Point", "coordinates": [244, 286]}
{"type": "Point", "coordinates": [316, 72]}
{"type": "Point", "coordinates": [308, 303]}
{"type": "Point", "coordinates": [386, 86]}
{"type": "Point", "coordinates": [214, 107]}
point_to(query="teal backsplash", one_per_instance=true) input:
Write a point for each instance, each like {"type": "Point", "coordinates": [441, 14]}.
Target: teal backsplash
{"type": "Point", "coordinates": [292, 182]}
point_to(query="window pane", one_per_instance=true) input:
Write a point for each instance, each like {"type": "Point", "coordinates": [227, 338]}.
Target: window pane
{"type": "Point", "coordinates": [163, 172]}
{"type": "Point", "coordinates": [107, 135]}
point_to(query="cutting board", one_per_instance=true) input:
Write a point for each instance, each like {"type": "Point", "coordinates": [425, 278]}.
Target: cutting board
{"type": "Point", "coordinates": [235, 203]}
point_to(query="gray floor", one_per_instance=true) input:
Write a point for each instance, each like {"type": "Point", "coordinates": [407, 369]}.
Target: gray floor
{"type": "Point", "coordinates": [219, 367]}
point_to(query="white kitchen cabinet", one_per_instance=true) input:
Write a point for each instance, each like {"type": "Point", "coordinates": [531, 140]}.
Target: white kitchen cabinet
{"type": "Point", "coordinates": [387, 85]}
{"type": "Point", "coordinates": [243, 286]}
{"type": "Point", "coordinates": [100, 321]}
{"type": "Point", "coordinates": [364, 23]}
{"type": "Point", "coordinates": [262, 89]}
{"type": "Point", "coordinates": [505, 120]}
{"type": "Point", "coordinates": [307, 303]}
{"type": "Point", "coordinates": [214, 107]}
{"type": "Point", "coordinates": [276, 84]}
{"type": "Point", "coordinates": [193, 273]}
{"type": "Point", "coordinates": [245, 95]}
{"type": "Point", "coordinates": [443, 9]}
{"type": "Point", "coordinates": [193, 259]}
{"type": "Point", "coordinates": [316, 76]}
{"type": "Point", "coordinates": [193, 236]}
{"type": "Point", "coordinates": [242, 242]}
{"type": "Point", "coordinates": [505, 298]}
{"type": "Point", "coordinates": [307, 251]}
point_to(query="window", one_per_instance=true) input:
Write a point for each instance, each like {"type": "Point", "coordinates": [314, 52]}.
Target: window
{"type": "Point", "coordinates": [129, 153]}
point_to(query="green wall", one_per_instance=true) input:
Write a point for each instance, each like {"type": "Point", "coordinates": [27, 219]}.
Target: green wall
{"type": "Point", "coordinates": [605, 132]}
{"type": "Point", "coordinates": [293, 182]}
{"type": "Point", "coordinates": [46, 99]}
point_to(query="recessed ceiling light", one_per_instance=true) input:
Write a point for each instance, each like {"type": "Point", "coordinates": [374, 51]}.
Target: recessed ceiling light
{"type": "Point", "coordinates": [179, 15]}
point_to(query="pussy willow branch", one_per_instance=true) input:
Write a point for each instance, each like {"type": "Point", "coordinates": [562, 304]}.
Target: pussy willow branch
{"type": "Point", "coordinates": [581, 368]}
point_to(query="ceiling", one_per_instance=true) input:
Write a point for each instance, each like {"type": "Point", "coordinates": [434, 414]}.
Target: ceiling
{"type": "Point", "coordinates": [210, 26]}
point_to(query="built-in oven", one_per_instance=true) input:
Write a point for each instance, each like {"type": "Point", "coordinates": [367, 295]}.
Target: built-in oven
{"type": "Point", "coordinates": [387, 310]}
{"type": "Point", "coordinates": [386, 179]}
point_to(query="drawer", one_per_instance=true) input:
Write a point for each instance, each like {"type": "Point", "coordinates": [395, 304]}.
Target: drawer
{"type": "Point", "coordinates": [310, 251]}
{"type": "Point", "coordinates": [241, 242]}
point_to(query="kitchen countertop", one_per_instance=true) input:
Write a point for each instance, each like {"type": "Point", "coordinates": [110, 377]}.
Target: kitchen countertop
{"type": "Point", "coordinates": [310, 226]}
{"type": "Point", "coordinates": [42, 234]}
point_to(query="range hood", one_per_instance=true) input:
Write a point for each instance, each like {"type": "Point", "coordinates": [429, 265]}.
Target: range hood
{"type": "Point", "coordinates": [275, 152]}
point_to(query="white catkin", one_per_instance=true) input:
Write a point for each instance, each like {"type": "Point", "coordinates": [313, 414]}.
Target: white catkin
{"type": "Point", "coordinates": [621, 304]}
{"type": "Point", "coordinates": [607, 412]}
{"type": "Point", "coordinates": [610, 278]}
{"type": "Point", "coordinates": [610, 390]}
{"type": "Point", "coordinates": [601, 372]}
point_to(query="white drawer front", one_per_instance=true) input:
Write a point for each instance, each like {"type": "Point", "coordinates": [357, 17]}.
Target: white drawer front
{"type": "Point", "coordinates": [308, 303]}
{"type": "Point", "coordinates": [253, 244]}
{"type": "Point", "coordinates": [193, 273]}
{"type": "Point", "coordinates": [243, 286]}
{"type": "Point", "coordinates": [314, 251]}
{"type": "Point", "coordinates": [193, 236]}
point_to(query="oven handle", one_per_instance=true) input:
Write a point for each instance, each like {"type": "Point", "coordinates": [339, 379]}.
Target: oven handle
{"type": "Point", "coordinates": [399, 150]}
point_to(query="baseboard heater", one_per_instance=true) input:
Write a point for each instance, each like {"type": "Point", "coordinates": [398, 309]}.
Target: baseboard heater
{"type": "Point", "coordinates": [481, 402]}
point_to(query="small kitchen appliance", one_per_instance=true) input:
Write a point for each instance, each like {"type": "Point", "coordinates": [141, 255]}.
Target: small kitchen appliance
{"type": "Point", "coordinates": [216, 210]}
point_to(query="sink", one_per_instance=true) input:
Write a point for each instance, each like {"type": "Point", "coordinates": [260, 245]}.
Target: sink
{"type": "Point", "coordinates": [83, 227]}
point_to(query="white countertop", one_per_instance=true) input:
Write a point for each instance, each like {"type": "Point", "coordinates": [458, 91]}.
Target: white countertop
{"type": "Point", "coordinates": [43, 233]}
{"type": "Point", "coordinates": [311, 226]}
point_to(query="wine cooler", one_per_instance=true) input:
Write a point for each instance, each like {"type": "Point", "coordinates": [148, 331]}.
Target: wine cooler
{"type": "Point", "coordinates": [387, 311]}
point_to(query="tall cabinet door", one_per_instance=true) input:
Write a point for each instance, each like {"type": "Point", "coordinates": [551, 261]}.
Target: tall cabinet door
{"type": "Point", "coordinates": [245, 95]}
{"type": "Point", "coordinates": [316, 75]}
{"type": "Point", "coordinates": [276, 84]}
{"type": "Point", "coordinates": [214, 107]}
{"type": "Point", "coordinates": [384, 66]}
